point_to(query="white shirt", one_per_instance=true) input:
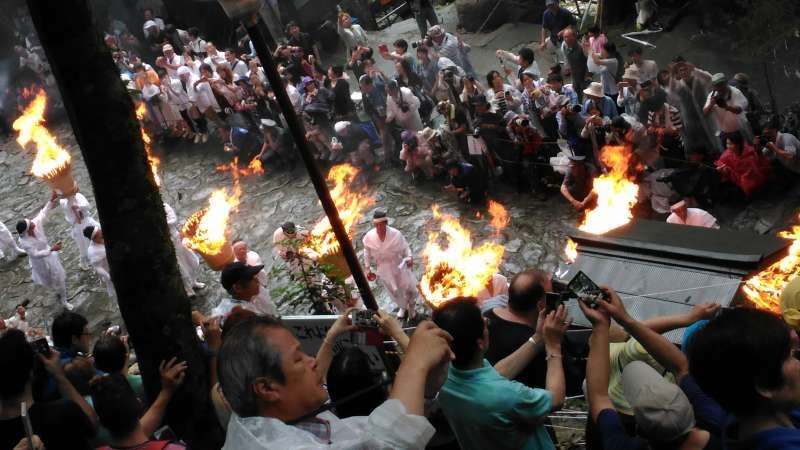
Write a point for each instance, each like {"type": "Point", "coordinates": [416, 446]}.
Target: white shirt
{"type": "Point", "coordinates": [239, 68]}
{"type": "Point", "coordinates": [389, 426]}
{"type": "Point", "coordinates": [409, 120]}
{"type": "Point", "coordinates": [203, 96]}
{"type": "Point", "coordinates": [729, 122]}
{"type": "Point", "coordinates": [215, 60]}
{"type": "Point", "coordinates": [789, 143]}
{"type": "Point", "coordinates": [17, 322]}
{"type": "Point", "coordinates": [695, 217]}
{"type": "Point", "coordinates": [294, 97]}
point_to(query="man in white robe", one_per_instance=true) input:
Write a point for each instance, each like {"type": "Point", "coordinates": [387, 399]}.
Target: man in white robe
{"type": "Point", "coordinates": [78, 214]}
{"type": "Point", "coordinates": [97, 257]}
{"type": "Point", "coordinates": [188, 261]}
{"type": "Point", "coordinates": [19, 320]}
{"type": "Point", "coordinates": [46, 268]}
{"type": "Point", "coordinates": [286, 245]}
{"type": "Point", "coordinates": [8, 244]}
{"type": "Point", "coordinates": [262, 301]}
{"type": "Point", "coordinates": [682, 215]}
{"type": "Point", "coordinates": [388, 248]}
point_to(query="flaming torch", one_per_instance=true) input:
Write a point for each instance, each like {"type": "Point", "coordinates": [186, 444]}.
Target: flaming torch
{"type": "Point", "coordinates": [764, 289]}
{"type": "Point", "coordinates": [322, 245]}
{"type": "Point", "coordinates": [52, 162]}
{"type": "Point", "coordinates": [616, 195]}
{"type": "Point", "coordinates": [457, 269]}
{"type": "Point", "coordinates": [499, 216]}
{"type": "Point", "coordinates": [152, 159]}
{"type": "Point", "coordinates": [207, 231]}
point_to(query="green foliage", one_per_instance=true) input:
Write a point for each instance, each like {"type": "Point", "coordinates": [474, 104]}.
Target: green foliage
{"type": "Point", "coordinates": [763, 24]}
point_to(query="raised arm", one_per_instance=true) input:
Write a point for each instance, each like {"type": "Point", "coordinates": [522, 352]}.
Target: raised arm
{"type": "Point", "coordinates": [172, 375]}
{"type": "Point", "coordinates": [662, 350]}
{"type": "Point", "coordinates": [52, 364]}
{"type": "Point", "coordinates": [599, 364]}
{"type": "Point", "coordinates": [325, 353]}
{"type": "Point", "coordinates": [513, 364]}
{"type": "Point", "coordinates": [663, 324]}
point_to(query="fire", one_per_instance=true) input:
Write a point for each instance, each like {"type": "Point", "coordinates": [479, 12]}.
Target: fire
{"type": "Point", "coordinates": [350, 204]}
{"type": "Point", "coordinates": [51, 159]}
{"type": "Point", "coordinates": [152, 159]}
{"type": "Point", "coordinates": [616, 195]}
{"type": "Point", "coordinates": [764, 290]}
{"type": "Point", "coordinates": [253, 168]}
{"type": "Point", "coordinates": [458, 269]}
{"type": "Point", "coordinates": [207, 230]}
{"type": "Point", "coordinates": [499, 214]}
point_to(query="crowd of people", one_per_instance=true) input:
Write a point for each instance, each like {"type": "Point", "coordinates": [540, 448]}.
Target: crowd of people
{"type": "Point", "coordinates": [489, 370]}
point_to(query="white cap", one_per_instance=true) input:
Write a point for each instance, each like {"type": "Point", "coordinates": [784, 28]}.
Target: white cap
{"type": "Point", "coordinates": [340, 126]}
{"type": "Point", "coordinates": [183, 70]}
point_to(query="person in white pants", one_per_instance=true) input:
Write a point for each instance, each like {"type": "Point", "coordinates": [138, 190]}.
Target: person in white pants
{"type": "Point", "coordinates": [46, 268]}
{"type": "Point", "coordinates": [8, 246]}
{"type": "Point", "coordinates": [78, 214]}
{"type": "Point", "coordinates": [97, 257]}
{"type": "Point", "coordinates": [188, 261]}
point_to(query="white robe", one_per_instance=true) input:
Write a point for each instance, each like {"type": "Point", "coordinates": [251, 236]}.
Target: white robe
{"type": "Point", "coordinates": [391, 256]}
{"type": "Point", "coordinates": [18, 323]}
{"type": "Point", "coordinates": [77, 224]}
{"type": "Point", "coordinates": [98, 260]}
{"type": "Point", "coordinates": [7, 243]}
{"type": "Point", "coordinates": [188, 261]}
{"type": "Point", "coordinates": [262, 301]}
{"type": "Point", "coordinates": [46, 268]}
{"type": "Point", "coordinates": [695, 217]}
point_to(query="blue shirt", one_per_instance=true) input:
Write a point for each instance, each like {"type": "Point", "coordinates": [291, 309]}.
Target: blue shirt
{"type": "Point", "coordinates": [778, 438]}
{"type": "Point", "coordinates": [606, 106]}
{"type": "Point", "coordinates": [487, 410]}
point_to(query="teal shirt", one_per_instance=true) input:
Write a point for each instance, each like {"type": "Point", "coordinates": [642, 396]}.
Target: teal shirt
{"type": "Point", "coordinates": [486, 410]}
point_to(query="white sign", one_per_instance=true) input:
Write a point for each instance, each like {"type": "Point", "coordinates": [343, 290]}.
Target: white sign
{"type": "Point", "coordinates": [311, 331]}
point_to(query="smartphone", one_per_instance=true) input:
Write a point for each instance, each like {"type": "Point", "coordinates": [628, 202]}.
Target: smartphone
{"type": "Point", "coordinates": [41, 346]}
{"type": "Point", "coordinates": [383, 48]}
{"type": "Point", "coordinates": [552, 301]}
{"type": "Point", "coordinates": [363, 318]}
{"type": "Point", "coordinates": [582, 284]}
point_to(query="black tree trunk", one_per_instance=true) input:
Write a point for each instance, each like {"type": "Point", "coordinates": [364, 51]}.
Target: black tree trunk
{"type": "Point", "coordinates": [150, 293]}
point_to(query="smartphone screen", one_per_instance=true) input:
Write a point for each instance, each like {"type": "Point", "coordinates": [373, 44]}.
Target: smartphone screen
{"type": "Point", "coordinates": [41, 346]}
{"type": "Point", "coordinates": [582, 284]}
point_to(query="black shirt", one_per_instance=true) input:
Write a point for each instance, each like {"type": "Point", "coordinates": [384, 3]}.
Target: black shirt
{"type": "Point", "coordinates": [505, 338]}
{"type": "Point", "coordinates": [342, 103]}
{"type": "Point", "coordinates": [304, 41]}
{"type": "Point", "coordinates": [61, 425]}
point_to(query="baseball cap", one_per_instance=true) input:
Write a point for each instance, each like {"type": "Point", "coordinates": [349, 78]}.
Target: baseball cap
{"type": "Point", "coordinates": [718, 78]}
{"type": "Point", "coordinates": [236, 272]}
{"type": "Point", "coordinates": [662, 411]}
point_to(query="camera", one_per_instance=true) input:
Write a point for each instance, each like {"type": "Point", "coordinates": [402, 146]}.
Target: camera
{"type": "Point", "coordinates": [449, 74]}
{"type": "Point", "coordinates": [719, 99]}
{"type": "Point", "coordinates": [364, 318]}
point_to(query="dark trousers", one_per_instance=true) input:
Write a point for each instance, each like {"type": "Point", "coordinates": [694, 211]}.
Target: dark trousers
{"type": "Point", "coordinates": [196, 125]}
{"type": "Point", "coordinates": [425, 16]}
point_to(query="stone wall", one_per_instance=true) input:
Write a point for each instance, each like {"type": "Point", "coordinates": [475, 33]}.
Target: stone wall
{"type": "Point", "coordinates": [472, 13]}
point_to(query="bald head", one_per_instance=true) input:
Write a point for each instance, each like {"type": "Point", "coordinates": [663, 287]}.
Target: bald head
{"type": "Point", "coordinates": [570, 37]}
{"type": "Point", "coordinates": [527, 290]}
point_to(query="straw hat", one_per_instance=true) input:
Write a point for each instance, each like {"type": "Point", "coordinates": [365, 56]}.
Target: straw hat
{"type": "Point", "coordinates": [594, 90]}
{"type": "Point", "coordinates": [631, 73]}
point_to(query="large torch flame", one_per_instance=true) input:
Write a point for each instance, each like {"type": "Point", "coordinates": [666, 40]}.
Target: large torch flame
{"type": "Point", "coordinates": [207, 230]}
{"type": "Point", "coordinates": [350, 203]}
{"type": "Point", "coordinates": [616, 196]}
{"type": "Point", "coordinates": [51, 159]}
{"type": "Point", "coordinates": [152, 159]}
{"type": "Point", "coordinates": [457, 269]}
{"type": "Point", "coordinates": [764, 289]}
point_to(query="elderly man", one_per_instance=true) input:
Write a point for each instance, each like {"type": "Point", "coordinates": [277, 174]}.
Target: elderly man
{"type": "Point", "coordinates": [46, 268]}
{"type": "Point", "coordinates": [97, 257]}
{"type": "Point", "coordinates": [387, 247]}
{"type": "Point", "coordinates": [683, 215]}
{"type": "Point", "coordinates": [578, 182]}
{"type": "Point", "coordinates": [188, 262]}
{"type": "Point", "coordinates": [555, 22]}
{"type": "Point", "coordinates": [402, 107]}
{"type": "Point", "coordinates": [784, 146]}
{"type": "Point", "coordinates": [184, 86]}
{"type": "Point", "coordinates": [451, 47]}
{"type": "Point", "coordinates": [170, 62]}
{"type": "Point", "coordinates": [288, 232]}
{"type": "Point", "coordinates": [8, 244]}
{"type": "Point", "coordinates": [575, 59]}
{"type": "Point", "coordinates": [596, 99]}
{"type": "Point", "coordinates": [78, 214]}
{"type": "Point", "coordinates": [276, 391]}
{"type": "Point", "coordinates": [18, 320]}
{"type": "Point", "coordinates": [728, 105]}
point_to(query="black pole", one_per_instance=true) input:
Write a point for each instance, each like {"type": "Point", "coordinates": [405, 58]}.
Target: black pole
{"type": "Point", "coordinates": [255, 28]}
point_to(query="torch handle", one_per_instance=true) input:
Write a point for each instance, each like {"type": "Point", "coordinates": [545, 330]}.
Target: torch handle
{"type": "Point", "coordinates": [257, 36]}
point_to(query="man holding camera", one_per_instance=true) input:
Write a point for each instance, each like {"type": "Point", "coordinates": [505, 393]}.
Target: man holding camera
{"type": "Point", "coordinates": [728, 105]}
